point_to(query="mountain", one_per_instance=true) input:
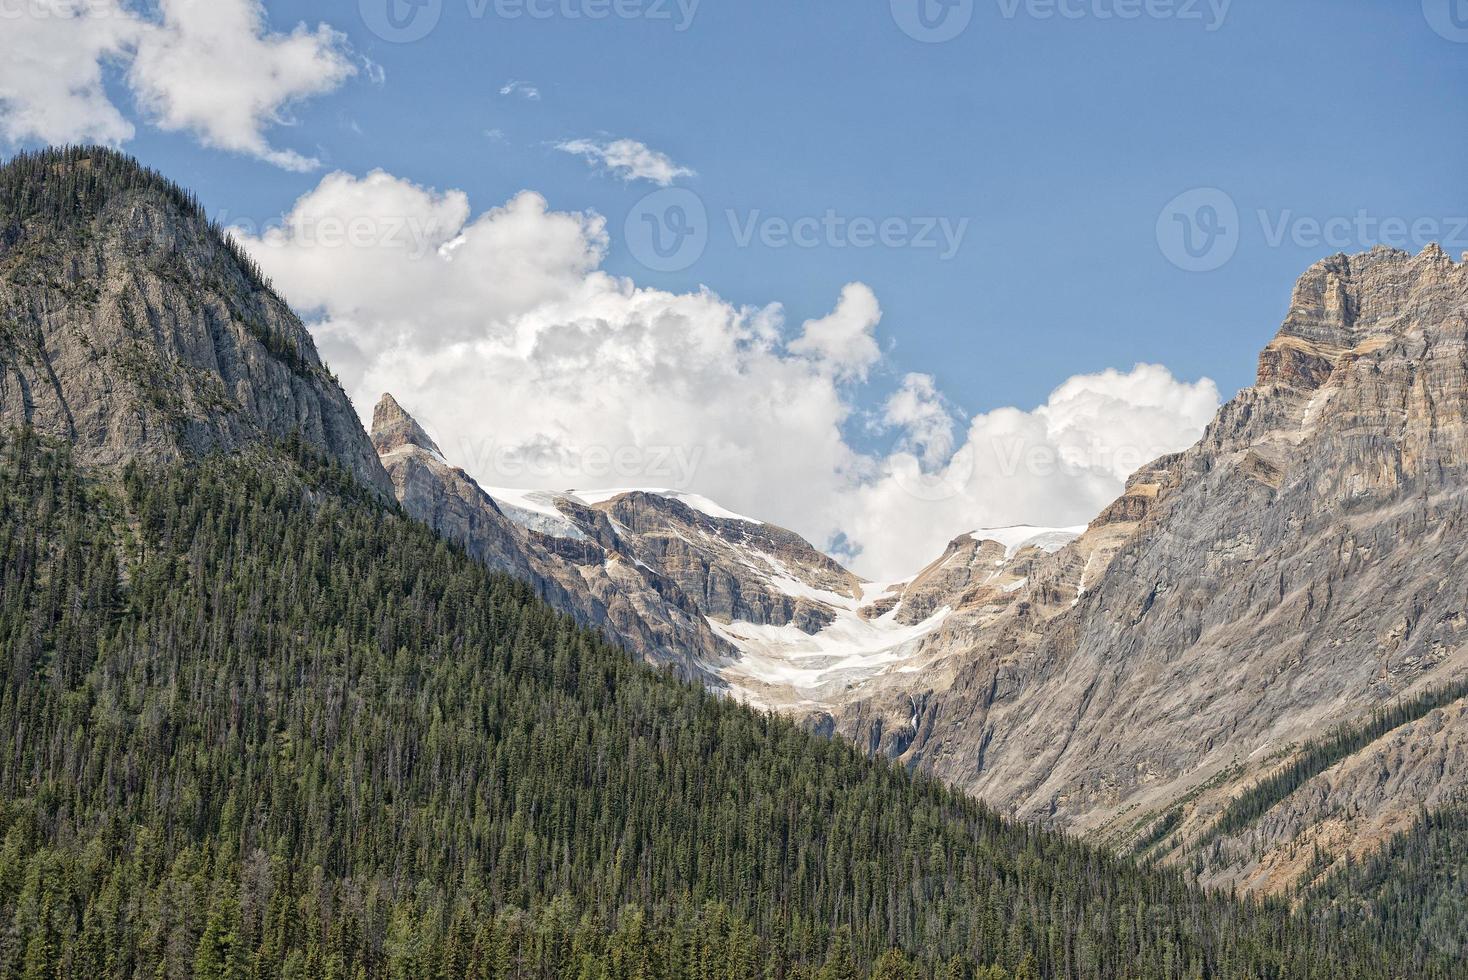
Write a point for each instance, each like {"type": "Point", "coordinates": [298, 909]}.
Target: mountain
{"type": "Point", "coordinates": [132, 328]}
{"type": "Point", "coordinates": [1283, 601]}
{"type": "Point", "coordinates": [578, 571]}
{"type": "Point", "coordinates": [256, 721]}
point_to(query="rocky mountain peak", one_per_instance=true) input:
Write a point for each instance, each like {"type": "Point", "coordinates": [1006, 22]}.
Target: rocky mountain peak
{"type": "Point", "coordinates": [132, 327]}
{"type": "Point", "coordinates": [1347, 301]}
{"type": "Point", "coordinates": [393, 429]}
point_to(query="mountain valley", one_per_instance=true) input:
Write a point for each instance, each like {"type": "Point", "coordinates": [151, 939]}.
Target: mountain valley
{"type": "Point", "coordinates": [286, 696]}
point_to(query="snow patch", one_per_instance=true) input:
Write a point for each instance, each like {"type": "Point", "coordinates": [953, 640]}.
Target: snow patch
{"type": "Point", "coordinates": [849, 650]}
{"type": "Point", "coordinates": [1018, 538]}
{"type": "Point", "coordinates": [702, 504]}
{"type": "Point", "coordinates": [535, 510]}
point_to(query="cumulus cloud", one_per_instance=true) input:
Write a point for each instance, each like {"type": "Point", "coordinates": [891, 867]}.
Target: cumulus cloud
{"type": "Point", "coordinates": [919, 412]}
{"type": "Point", "coordinates": [51, 58]}
{"type": "Point", "coordinates": [533, 367]}
{"type": "Point", "coordinates": [209, 67]}
{"type": "Point", "coordinates": [627, 160]}
{"type": "Point", "coordinates": [844, 341]}
{"type": "Point", "coordinates": [213, 69]}
{"type": "Point", "coordinates": [1056, 465]}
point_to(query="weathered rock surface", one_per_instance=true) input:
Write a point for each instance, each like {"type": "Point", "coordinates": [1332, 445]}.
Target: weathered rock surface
{"type": "Point", "coordinates": [131, 328]}
{"type": "Point", "coordinates": [747, 607]}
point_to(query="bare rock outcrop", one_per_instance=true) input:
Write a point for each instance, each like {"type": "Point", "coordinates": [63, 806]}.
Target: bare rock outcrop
{"type": "Point", "coordinates": [593, 580]}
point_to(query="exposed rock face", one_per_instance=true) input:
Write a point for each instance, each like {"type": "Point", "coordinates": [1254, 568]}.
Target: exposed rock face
{"type": "Point", "coordinates": [735, 570]}
{"type": "Point", "coordinates": [979, 572]}
{"type": "Point", "coordinates": [442, 497]}
{"type": "Point", "coordinates": [132, 329]}
{"type": "Point", "coordinates": [1302, 565]}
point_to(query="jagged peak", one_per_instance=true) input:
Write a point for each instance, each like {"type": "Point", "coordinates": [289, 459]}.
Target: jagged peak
{"type": "Point", "coordinates": [1344, 301]}
{"type": "Point", "coordinates": [393, 429]}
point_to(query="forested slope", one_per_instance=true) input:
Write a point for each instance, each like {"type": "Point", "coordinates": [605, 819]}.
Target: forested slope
{"type": "Point", "coordinates": [256, 724]}
{"type": "Point", "coordinates": [1414, 891]}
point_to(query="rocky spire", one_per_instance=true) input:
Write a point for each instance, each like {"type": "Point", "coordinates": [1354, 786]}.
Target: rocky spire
{"type": "Point", "coordinates": [393, 428]}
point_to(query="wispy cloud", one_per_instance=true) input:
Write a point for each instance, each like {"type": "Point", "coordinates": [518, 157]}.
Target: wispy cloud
{"type": "Point", "coordinates": [627, 160]}
{"type": "Point", "coordinates": [524, 90]}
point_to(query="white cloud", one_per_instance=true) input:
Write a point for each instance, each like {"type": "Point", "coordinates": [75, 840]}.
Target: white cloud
{"type": "Point", "coordinates": [524, 90]}
{"type": "Point", "coordinates": [627, 160]}
{"type": "Point", "coordinates": [51, 58]}
{"type": "Point", "coordinates": [1056, 465]}
{"type": "Point", "coordinates": [922, 415]}
{"type": "Point", "coordinates": [209, 67]}
{"type": "Point", "coordinates": [535, 368]}
{"type": "Point", "coordinates": [844, 341]}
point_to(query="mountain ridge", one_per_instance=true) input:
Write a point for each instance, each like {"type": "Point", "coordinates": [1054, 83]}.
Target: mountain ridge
{"type": "Point", "coordinates": [1291, 572]}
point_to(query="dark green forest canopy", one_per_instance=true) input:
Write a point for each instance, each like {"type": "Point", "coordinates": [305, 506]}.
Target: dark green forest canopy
{"type": "Point", "coordinates": [1414, 891]}
{"type": "Point", "coordinates": [256, 724]}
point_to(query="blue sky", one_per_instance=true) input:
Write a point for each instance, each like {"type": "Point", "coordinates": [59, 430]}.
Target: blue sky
{"type": "Point", "coordinates": [1058, 140]}
{"type": "Point", "coordinates": [976, 216]}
